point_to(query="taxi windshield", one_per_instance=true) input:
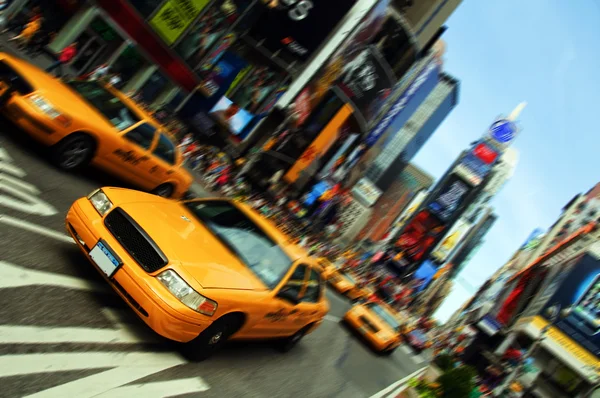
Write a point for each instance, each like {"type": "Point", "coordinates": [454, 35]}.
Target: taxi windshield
{"type": "Point", "coordinates": [385, 315]}
{"type": "Point", "coordinates": [238, 233]}
{"type": "Point", "coordinates": [106, 103]}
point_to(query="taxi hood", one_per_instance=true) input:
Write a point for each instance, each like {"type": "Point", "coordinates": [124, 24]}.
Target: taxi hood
{"type": "Point", "coordinates": [189, 246]}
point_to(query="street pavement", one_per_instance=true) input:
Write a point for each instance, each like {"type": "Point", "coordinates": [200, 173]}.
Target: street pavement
{"type": "Point", "coordinates": [64, 333]}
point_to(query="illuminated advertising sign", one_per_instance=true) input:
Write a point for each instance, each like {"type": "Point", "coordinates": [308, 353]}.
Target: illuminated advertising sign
{"type": "Point", "coordinates": [429, 75]}
{"type": "Point", "coordinates": [366, 192]}
{"type": "Point", "coordinates": [418, 237]}
{"type": "Point", "coordinates": [325, 78]}
{"type": "Point", "coordinates": [299, 27]}
{"type": "Point", "coordinates": [365, 79]}
{"type": "Point", "coordinates": [477, 164]}
{"type": "Point", "coordinates": [503, 131]}
{"type": "Point", "coordinates": [450, 198]}
{"type": "Point", "coordinates": [451, 241]}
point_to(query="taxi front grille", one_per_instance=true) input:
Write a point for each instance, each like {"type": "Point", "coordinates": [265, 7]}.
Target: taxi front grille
{"type": "Point", "coordinates": [135, 240]}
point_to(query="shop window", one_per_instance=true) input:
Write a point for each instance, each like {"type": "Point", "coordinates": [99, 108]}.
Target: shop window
{"type": "Point", "coordinates": [146, 7]}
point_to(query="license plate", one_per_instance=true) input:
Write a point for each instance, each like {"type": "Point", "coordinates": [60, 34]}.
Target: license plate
{"type": "Point", "coordinates": [105, 259]}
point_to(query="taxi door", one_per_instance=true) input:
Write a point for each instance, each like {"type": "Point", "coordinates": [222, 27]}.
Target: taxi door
{"type": "Point", "coordinates": [312, 306]}
{"type": "Point", "coordinates": [133, 158]}
{"type": "Point", "coordinates": [163, 159]}
{"type": "Point", "coordinates": [284, 314]}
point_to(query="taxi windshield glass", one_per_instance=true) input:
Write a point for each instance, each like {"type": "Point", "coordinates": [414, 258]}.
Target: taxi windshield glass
{"type": "Point", "coordinates": [240, 235]}
{"type": "Point", "coordinates": [385, 315]}
{"type": "Point", "coordinates": [106, 103]}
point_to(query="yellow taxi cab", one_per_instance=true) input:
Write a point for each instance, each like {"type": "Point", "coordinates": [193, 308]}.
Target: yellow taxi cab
{"type": "Point", "coordinates": [85, 122]}
{"type": "Point", "coordinates": [377, 323]}
{"type": "Point", "coordinates": [200, 271]}
{"type": "Point", "coordinates": [346, 283]}
{"type": "Point", "coordinates": [327, 268]}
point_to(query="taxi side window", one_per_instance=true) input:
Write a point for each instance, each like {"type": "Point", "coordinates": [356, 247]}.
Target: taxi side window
{"type": "Point", "coordinates": [142, 135]}
{"type": "Point", "coordinates": [313, 288]}
{"type": "Point", "coordinates": [165, 149]}
{"type": "Point", "coordinates": [296, 282]}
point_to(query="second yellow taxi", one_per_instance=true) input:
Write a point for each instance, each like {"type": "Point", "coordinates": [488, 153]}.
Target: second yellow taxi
{"type": "Point", "coordinates": [378, 324]}
{"type": "Point", "coordinates": [86, 122]}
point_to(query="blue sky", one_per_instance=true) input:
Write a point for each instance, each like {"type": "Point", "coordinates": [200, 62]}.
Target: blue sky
{"type": "Point", "coordinates": [545, 52]}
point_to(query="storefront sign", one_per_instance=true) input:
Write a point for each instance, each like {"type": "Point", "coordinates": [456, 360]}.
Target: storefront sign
{"type": "Point", "coordinates": [431, 71]}
{"type": "Point", "coordinates": [175, 16]}
{"type": "Point", "coordinates": [477, 164]}
{"type": "Point", "coordinates": [489, 325]}
{"type": "Point", "coordinates": [299, 27]}
{"type": "Point", "coordinates": [366, 192]}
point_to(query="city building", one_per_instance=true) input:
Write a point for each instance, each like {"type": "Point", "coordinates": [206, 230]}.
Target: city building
{"type": "Point", "coordinates": [402, 147]}
{"type": "Point", "coordinates": [395, 200]}
{"type": "Point", "coordinates": [462, 186]}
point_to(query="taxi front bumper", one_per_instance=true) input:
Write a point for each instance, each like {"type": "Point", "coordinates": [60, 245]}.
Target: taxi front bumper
{"type": "Point", "coordinates": [141, 291]}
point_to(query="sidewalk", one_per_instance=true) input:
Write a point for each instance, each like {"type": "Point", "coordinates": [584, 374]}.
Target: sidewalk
{"type": "Point", "coordinates": [42, 61]}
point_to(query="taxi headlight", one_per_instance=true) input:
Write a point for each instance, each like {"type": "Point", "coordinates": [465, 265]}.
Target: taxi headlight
{"type": "Point", "coordinates": [100, 202]}
{"type": "Point", "coordinates": [188, 296]}
{"type": "Point", "coordinates": [48, 109]}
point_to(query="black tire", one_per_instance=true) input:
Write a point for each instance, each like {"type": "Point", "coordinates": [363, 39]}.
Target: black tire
{"type": "Point", "coordinates": [387, 353]}
{"type": "Point", "coordinates": [74, 152]}
{"type": "Point", "coordinates": [212, 339]}
{"type": "Point", "coordinates": [288, 343]}
{"type": "Point", "coordinates": [164, 190]}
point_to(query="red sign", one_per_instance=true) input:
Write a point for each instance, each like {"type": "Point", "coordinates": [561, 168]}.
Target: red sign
{"type": "Point", "coordinates": [485, 153]}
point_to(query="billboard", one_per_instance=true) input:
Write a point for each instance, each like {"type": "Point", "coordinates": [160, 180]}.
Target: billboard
{"type": "Point", "coordinates": [406, 214]}
{"type": "Point", "coordinates": [403, 107]}
{"type": "Point", "coordinates": [418, 237]}
{"type": "Point", "coordinates": [503, 132]}
{"type": "Point", "coordinates": [175, 16]}
{"type": "Point", "coordinates": [450, 198]}
{"type": "Point", "coordinates": [451, 241]}
{"type": "Point", "coordinates": [327, 75]}
{"type": "Point", "coordinates": [298, 27]}
{"type": "Point", "coordinates": [365, 191]}
{"type": "Point", "coordinates": [477, 163]}
{"type": "Point", "coordinates": [576, 289]}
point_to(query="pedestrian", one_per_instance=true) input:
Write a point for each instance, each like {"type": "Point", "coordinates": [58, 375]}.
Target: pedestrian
{"type": "Point", "coordinates": [65, 56]}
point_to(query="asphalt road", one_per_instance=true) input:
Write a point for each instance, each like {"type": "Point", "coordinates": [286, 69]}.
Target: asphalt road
{"type": "Point", "coordinates": [64, 333]}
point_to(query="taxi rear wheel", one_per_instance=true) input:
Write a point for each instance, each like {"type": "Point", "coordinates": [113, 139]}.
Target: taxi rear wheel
{"type": "Point", "coordinates": [74, 151]}
{"type": "Point", "coordinates": [287, 344]}
{"type": "Point", "coordinates": [164, 190]}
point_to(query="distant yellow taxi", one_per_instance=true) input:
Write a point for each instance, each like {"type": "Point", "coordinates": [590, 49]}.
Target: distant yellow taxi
{"type": "Point", "coordinates": [85, 122]}
{"type": "Point", "coordinates": [346, 283]}
{"type": "Point", "coordinates": [327, 268]}
{"type": "Point", "coordinates": [378, 324]}
{"type": "Point", "coordinates": [200, 271]}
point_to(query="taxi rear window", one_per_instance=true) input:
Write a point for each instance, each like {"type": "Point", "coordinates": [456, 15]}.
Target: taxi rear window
{"type": "Point", "coordinates": [262, 255]}
{"type": "Point", "coordinates": [106, 103]}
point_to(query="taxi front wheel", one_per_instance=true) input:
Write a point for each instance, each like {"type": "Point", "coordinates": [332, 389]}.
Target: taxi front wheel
{"type": "Point", "coordinates": [164, 190]}
{"type": "Point", "coordinates": [211, 339]}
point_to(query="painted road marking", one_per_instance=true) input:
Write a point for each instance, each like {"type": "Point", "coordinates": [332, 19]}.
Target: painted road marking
{"type": "Point", "coordinates": [392, 389]}
{"type": "Point", "coordinates": [16, 276]}
{"type": "Point", "coordinates": [158, 389]}
{"type": "Point", "coordinates": [22, 196]}
{"type": "Point", "coordinates": [10, 334]}
{"type": "Point", "coordinates": [31, 227]}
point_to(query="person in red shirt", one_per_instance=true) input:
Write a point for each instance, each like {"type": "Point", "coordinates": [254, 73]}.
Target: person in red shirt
{"type": "Point", "coordinates": [65, 56]}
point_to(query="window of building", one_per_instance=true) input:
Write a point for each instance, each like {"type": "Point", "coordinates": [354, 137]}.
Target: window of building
{"type": "Point", "coordinates": [128, 64]}
{"type": "Point", "coordinates": [153, 87]}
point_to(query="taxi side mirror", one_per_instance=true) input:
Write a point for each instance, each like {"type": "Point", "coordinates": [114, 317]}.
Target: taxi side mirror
{"type": "Point", "coordinates": [288, 296]}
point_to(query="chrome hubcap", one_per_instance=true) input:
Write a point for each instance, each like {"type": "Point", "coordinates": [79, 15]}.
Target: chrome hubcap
{"type": "Point", "coordinates": [216, 338]}
{"type": "Point", "coordinates": [74, 154]}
